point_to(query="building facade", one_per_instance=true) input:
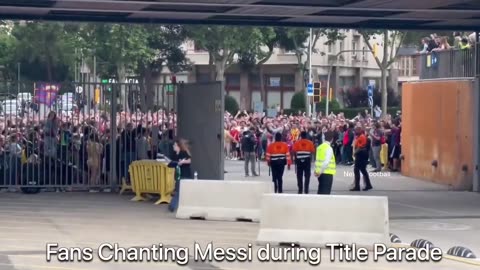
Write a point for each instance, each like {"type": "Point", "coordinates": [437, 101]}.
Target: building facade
{"type": "Point", "coordinates": [349, 62]}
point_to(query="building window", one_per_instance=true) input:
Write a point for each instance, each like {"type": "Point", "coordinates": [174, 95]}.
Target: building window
{"type": "Point", "coordinates": [330, 48]}
{"type": "Point", "coordinates": [414, 66]}
{"type": "Point", "coordinates": [256, 97]}
{"type": "Point", "coordinates": [274, 81]}
{"type": "Point", "coordinates": [274, 99]}
{"type": "Point", "coordinates": [254, 80]}
{"type": "Point", "coordinates": [342, 46]}
{"type": "Point", "coordinates": [287, 99]}
{"type": "Point", "coordinates": [288, 80]}
{"type": "Point", "coordinates": [233, 80]}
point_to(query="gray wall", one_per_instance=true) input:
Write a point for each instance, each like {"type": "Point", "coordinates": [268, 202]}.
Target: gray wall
{"type": "Point", "coordinates": [200, 108]}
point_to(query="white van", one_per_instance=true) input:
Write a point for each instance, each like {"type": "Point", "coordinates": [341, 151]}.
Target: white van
{"type": "Point", "coordinates": [27, 97]}
{"type": "Point", "coordinates": [10, 107]}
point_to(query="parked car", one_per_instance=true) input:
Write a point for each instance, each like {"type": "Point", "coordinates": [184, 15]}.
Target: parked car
{"type": "Point", "coordinates": [24, 97]}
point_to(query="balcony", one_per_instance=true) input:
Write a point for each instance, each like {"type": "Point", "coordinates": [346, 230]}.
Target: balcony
{"type": "Point", "coordinates": [449, 64]}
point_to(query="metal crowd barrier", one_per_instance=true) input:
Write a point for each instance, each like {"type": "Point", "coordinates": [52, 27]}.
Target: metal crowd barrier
{"type": "Point", "coordinates": [152, 177]}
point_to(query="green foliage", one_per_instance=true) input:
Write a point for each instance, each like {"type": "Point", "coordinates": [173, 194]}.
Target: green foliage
{"type": "Point", "coordinates": [297, 39]}
{"type": "Point", "coordinates": [260, 48]}
{"type": "Point", "coordinates": [298, 102]}
{"type": "Point", "coordinates": [45, 50]}
{"type": "Point", "coordinates": [231, 105]}
{"type": "Point", "coordinates": [7, 53]}
{"type": "Point", "coordinates": [332, 106]}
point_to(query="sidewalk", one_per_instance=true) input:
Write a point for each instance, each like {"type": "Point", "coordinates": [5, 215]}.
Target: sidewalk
{"type": "Point", "coordinates": [28, 222]}
{"type": "Point", "coordinates": [418, 209]}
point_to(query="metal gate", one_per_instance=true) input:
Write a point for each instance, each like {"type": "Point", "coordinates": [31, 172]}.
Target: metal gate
{"type": "Point", "coordinates": [81, 135]}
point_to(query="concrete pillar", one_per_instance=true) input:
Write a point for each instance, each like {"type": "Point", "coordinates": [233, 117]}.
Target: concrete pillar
{"type": "Point", "coordinates": [358, 76]}
{"type": "Point", "coordinates": [476, 137]}
{"type": "Point", "coordinates": [334, 80]}
{"type": "Point", "coordinates": [245, 95]}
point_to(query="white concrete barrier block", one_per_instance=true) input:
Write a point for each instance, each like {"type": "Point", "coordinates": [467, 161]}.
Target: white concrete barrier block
{"type": "Point", "coordinates": [317, 220]}
{"type": "Point", "coordinates": [221, 200]}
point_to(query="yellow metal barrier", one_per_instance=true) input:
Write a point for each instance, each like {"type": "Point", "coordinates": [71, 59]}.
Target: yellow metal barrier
{"type": "Point", "coordinates": [384, 155]}
{"type": "Point", "coordinates": [152, 177]}
{"type": "Point", "coordinates": [125, 187]}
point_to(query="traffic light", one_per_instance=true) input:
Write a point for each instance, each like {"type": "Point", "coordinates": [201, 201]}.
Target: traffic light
{"type": "Point", "coordinates": [375, 50]}
{"type": "Point", "coordinates": [317, 92]}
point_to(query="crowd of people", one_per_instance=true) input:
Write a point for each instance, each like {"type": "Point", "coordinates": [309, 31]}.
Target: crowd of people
{"type": "Point", "coordinates": [384, 136]}
{"type": "Point", "coordinates": [436, 43]}
{"type": "Point", "coordinates": [69, 151]}
{"type": "Point", "coordinates": [75, 150]}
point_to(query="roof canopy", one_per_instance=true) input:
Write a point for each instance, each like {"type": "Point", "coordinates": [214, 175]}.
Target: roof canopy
{"type": "Point", "coordinates": [391, 14]}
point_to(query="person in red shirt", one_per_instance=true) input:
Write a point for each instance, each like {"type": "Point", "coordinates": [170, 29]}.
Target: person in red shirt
{"type": "Point", "coordinates": [235, 144]}
{"type": "Point", "coordinates": [361, 161]}
{"type": "Point", "coordinates": [278, 155]}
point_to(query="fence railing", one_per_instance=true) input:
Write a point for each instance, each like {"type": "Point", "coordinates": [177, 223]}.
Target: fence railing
{"type": "Point", "coordinates": [91, 142]}
{"type": "Point", "coordinates": [453, 63]}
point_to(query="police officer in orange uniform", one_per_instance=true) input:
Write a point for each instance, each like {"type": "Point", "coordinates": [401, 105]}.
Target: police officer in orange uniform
{"type": "Point", "coordinates": [303, 150]}
{"type": "Point", "coordinates": [278, 156]}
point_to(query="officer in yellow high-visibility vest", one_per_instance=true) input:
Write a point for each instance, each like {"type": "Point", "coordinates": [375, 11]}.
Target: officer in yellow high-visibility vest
{"type": "Point", "coordinates": [325, 165]}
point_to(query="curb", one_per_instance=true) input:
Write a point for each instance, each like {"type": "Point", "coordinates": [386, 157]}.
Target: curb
{"type": "Point", "coordinates": [446, 256]}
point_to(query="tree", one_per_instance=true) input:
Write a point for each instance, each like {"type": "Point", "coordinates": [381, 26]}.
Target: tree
{"type": "Point", "coordinates": [297, 40]}
{"type": "Point", "coordinates": [259, 51]}
{"type": "Point", "coordinates": [7, 51]}
{"type": "Point", "coordinates": [122, 47]}
{"type": "Point", "coordinates": [222, 43]}
{"type": "Point", "coordinates": [163, 49]}
{"type": "Point", "coordinates": [392, 41]}
{"type": "Point", "coordinates": [44, 47]}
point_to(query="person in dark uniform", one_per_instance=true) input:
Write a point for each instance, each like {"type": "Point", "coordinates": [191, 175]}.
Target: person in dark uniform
{"type": "Point", "coordinates": [278, 155]}
{"type": "Point", "coordinates": [181, 161]}
{"type": "Point", "coordinates": [361, 160]}
{"type": "Point", "coordinates": [303, 150]}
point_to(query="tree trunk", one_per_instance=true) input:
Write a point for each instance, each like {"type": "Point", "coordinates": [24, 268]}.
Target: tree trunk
{"type": "Point", "coordinates": [122, 76]}
{"type": "Point", "coordinates": [384, 70]}
{"type": "Point", "coordinates": [383, 87]}
{"type": "Point", "coordinates": [220, 73]}
{"type": "Point", "coordinates": [263, 92]}
{"type": "Point", "coordinates": [211, 67]}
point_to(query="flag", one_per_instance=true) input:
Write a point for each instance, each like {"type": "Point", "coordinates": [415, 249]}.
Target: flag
{"type": "Point", "coordinates": [46, 94]}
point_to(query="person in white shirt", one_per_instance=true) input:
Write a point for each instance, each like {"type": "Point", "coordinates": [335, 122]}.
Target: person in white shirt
{"type": "Point", "coordinates": [378, 112]}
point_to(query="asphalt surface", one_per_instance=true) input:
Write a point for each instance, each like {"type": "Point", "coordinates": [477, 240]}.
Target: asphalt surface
{"type": "Point", "coordinates": [28, 222]}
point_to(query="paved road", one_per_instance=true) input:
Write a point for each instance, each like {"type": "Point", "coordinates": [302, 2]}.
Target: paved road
{"type": "Point", "coordinates": [87, 220]}
{"type": "Point", "coordinates": [418, 209]}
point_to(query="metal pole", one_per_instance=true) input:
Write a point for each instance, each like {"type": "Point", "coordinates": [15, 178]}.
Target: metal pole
{"type": "Point", "coordinates": [95, 69]}
{"type": "Point", "coordinates": [310, 81]}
